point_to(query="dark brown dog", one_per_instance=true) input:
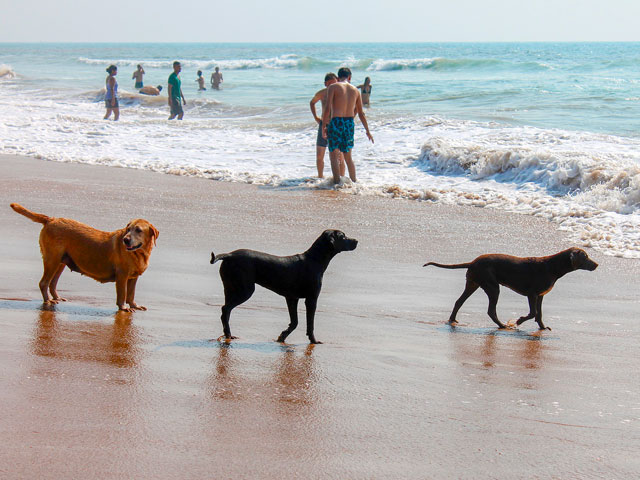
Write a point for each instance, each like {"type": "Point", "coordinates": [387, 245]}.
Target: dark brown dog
{"type": "Point", "coordinates": [294, 277]}
{"type": "Point", "coordinates": [532, 277]}
{"type": "Point", "coordinates": [120, 256]}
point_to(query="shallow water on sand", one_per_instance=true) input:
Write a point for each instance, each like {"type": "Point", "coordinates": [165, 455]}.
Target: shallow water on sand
{"type": "Point", "coordinates": [392, 393]}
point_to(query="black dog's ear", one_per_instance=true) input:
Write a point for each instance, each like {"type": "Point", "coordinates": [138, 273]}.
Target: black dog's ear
{"type": "Point", "coordinates": [576, 257]}
{"type": "Point", "coordinates": [332, 237]}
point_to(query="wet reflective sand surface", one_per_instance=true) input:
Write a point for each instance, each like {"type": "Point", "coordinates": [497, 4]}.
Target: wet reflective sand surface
{"type": "Point", "coordinates": [394, 392]}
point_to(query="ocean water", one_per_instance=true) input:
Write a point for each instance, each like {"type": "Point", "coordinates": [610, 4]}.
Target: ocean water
{"type": "Point", "coordinates": [545, 129]}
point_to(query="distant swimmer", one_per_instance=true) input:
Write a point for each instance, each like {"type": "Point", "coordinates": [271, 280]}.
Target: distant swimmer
{"type": "Point", "coordinates": [343, 101]}
{"type": "Point", "coordinates": [216, 79]}
{"type": "Point", "coordinates": [365, 91]}
{"type": "Point", "coordinates": [138, 74]}
{"type": "Point", "coordinates": [149, 90]}
{"type": "Point", "coordinates": [175, 92]}
{"type": "Point", "coordinates": [200, 81]}
{"type": "Point", "coordinates": [111, 96]}
{"type": "Point", "coordinates": [321, 142]}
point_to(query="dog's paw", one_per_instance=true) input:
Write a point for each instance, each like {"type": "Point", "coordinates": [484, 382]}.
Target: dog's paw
{"type": "Point", "coordinates": [224, 338]}
{"type": "Point", "coordinates": [135, 306]}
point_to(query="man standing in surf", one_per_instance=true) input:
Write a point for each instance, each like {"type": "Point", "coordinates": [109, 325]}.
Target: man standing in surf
{"type": "Point", "coordinates": [321, 141]}
{"type": "Point", "coordinates": [175, 93]}
{"type": "Point", "coordinates": [343, 102]}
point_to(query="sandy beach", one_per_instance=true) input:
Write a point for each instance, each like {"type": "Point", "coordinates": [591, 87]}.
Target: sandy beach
{"type": "Point", "coordinates": [394, 392]}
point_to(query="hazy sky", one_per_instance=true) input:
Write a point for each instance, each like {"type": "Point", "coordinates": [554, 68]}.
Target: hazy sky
{"type": "Point", "coordinates": [309, 21]}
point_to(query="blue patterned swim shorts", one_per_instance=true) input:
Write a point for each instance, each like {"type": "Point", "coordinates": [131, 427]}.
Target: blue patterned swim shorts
{"type": "Point", "coordinates": [340, 134]}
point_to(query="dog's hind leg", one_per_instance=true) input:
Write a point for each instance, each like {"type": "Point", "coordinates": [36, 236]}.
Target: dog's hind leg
{"type": "Point", "coordinates": [292, 305]}
{"type": "Point", "coordinates": [469, 289]}
{"type": "Point", "coordinates": [493, 292]}
{"type": "Point", "coordinates": [51, 267]}
{"type": "Point", "coordinates": [53, 286]}
{"type": "Point", "coordinates": [232, 298]}
{"type": "Point", "coordinates": [311, 303]}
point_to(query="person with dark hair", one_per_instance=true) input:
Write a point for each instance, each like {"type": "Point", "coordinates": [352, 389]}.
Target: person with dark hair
{"type": "Point", "coordinates": [343, 101]}
{"type": "Point", "coordinates": [138, 74]}
{"type": "Point", "coordinates": [200, 81]}
{"type": "Point", "coordinates": [175, 92]}
{"type": "Point", "coordinates": [149, 90]}
{"type": "Point", "coordinates": [216, 78]}
{"type": "Point", "coordinates": [321, 142]}
{"type": "Point", "coordinates": [365, 91]}
{"type": "Point", "coordinates": [111, 95]}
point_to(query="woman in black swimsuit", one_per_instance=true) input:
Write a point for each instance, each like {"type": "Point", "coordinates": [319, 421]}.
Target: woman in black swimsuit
{"type": "Point", "coordinates": [365, 90]}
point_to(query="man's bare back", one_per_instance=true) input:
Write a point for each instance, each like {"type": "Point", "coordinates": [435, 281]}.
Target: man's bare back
{"type": "Point", "coordinates": [343, 99]}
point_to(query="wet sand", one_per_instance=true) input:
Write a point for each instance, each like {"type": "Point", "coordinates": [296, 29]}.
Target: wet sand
{"type": "Point", "coordinates": [394, 392]}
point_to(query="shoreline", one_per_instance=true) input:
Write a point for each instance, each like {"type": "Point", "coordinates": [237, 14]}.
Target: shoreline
{"type": "Point", "coordinates": [393, 392]}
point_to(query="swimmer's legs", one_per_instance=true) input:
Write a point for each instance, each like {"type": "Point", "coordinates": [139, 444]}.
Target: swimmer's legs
{"type": "Point", "coordinates": [342, 165]}
{"type": "Point", "coordinates": [320, 160]}
{"type": "Point", "coordinates": [334, 155]}
{"type": "Point", "coordinates": [350, 165]}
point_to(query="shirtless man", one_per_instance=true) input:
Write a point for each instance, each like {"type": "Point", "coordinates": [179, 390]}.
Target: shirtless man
{"type": "Point", "coordinates": [138, 74]}
{"type": "Point", "coordinates": [149, 90]}
{"type": "Point", "coordinates": [321, 142]}
{"type": "Point", "coordinates": [216, 79]}
{"type": "Point", "coordinates": [343, 100]}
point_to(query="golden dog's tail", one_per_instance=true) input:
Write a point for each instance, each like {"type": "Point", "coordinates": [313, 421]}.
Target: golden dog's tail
{"type": "Point", "coordinates": [36, 217]}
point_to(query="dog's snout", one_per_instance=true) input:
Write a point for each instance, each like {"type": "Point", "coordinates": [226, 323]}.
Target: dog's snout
{"type": "Point", "coordinates": [127, 241]}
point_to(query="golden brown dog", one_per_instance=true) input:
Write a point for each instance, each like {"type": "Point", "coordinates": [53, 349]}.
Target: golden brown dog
{"type": "Point", "coordinates": [120, 256]}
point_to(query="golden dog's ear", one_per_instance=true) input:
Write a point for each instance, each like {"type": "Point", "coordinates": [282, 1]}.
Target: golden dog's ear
{"type": "Point", "coordinates": [155, 234]}
{"type": "Point", "coordinates": [127, 227]}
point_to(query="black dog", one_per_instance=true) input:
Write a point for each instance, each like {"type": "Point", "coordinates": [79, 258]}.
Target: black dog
{"type": "Point", "coordinates": [532, 277]}
{"type": "Point", "coordinates": [294, 277]}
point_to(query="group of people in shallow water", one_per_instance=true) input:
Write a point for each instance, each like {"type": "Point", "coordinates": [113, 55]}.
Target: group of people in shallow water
{"type": "Point", "coordinates": [340, 101]}
{"type": "Point", "coordinates": [174, 85]}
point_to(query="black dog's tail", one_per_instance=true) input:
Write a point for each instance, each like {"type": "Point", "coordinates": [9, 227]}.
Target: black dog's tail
{"type": "Point", "coordinates": [457, 265]}
{"type": "Point", "coordinates": [215, 258]}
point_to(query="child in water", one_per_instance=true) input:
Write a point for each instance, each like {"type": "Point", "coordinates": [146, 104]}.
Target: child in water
{"type": "Point", "coordinates": [200, 81]}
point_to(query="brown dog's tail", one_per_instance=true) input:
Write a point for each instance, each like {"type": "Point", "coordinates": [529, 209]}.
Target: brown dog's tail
{"type": "Point", "coordinates": [215, 258]}
{"type": "Point", "coordinates": [36, 217]}
{"type": "Point", "coordinates": [457, 265]}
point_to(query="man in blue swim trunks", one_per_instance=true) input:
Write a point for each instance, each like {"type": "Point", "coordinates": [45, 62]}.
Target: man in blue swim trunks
{"type": "Point", "coordinates": [343, 102]}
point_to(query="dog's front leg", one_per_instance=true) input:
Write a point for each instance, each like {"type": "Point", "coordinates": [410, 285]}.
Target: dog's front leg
{"type": "Point", "coordinates": [539, 314]}
{"type": "Point", "coordinates": [121, 292]}
{"type": "Point", "coordinates": [311, 303]}
{"type": "Point", "coordinates": [292, 305]}
{"type": "Point", "coordinates": [131, 293]}
{"type": "Point", "coordinates": [533, 308]}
